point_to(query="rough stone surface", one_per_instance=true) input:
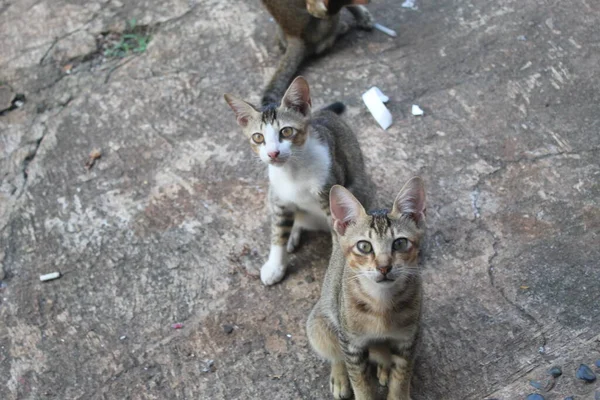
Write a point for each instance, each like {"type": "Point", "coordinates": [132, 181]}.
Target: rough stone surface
{"type": "Point", "coordinates": [166, 225]}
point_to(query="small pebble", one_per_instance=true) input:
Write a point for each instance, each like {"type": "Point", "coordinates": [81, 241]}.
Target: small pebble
{"type": "Point", "coordinates": [309, 279]}
{"type": "Point", "coordinates": [555, 372]}
{"type": "Point", "coordinates": [227, 329]}
{"type": "Point", "coordinates": [208, 366]}
{"type": "Point", "coordinates": [535, 396]}
{"type": "Point", "coordinates": [123, 337]}
{"type": "Point", "coordinates": [288, 335]}
{"type": "Point", "coordinates": [535, 384]}
{"type": "Point", "coordinates": [585, 373]}
{"type": "Point", "coordinates": [178, 325]}
{"type": "Point", "coordinates": [522, 38]}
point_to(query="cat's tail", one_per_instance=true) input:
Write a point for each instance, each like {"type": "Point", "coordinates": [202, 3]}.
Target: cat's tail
{"type": "Point", "coordinates": [288, 67]}
{"type": "Point", "coordinates": [338, 107]}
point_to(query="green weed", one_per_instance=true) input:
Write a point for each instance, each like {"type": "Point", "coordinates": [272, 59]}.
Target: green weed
{"type": "Point", "coordinates": [134, 40]}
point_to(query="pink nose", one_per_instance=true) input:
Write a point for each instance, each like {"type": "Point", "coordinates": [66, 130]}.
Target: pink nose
{"type": "Point", "coordinates": [273, 154]}
{"type": "Point", "coordinates": [385, 269]}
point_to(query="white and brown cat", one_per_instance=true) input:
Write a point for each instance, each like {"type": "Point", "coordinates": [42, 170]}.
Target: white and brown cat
{"type": "Point", "coordinates": [370, 305]}
{"type": "Point", "coordinates": [306, 154]}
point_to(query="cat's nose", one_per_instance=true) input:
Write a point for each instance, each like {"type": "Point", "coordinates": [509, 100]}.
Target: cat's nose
{"type": "Point", "coordinates": [273, 154]}
{"type": "Point", "coordinates": [385, 269]}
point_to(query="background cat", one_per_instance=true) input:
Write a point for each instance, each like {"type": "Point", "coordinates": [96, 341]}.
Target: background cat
{"type": "Point", "coordinates": [303, 35]}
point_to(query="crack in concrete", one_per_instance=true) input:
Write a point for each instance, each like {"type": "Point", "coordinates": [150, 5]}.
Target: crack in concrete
{"type": "Point", "coordinates": [31, 156]}
{"type": "Point", "coordinates": [520, 309]}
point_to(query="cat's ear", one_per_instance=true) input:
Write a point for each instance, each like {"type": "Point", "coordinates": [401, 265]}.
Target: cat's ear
{"type": "Point", "coordinates": [297, 97]}
{"type": "Point", "coordinates": [243, 110]}
{"type": "Point", "coordinates": [345, 208]}
{"type": "Point", "coordinates": [411, 200]}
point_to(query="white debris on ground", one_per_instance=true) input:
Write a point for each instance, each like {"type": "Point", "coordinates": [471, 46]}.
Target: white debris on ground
{"type": "Point", "coordinates": [416, 110]}
{"type": "Point", "coordinates": [374, 99]}
{"type": "Point", "coordinates": [385, 29]}
{"type": "Point", "coordinates": [49, 277]}
{"type": "Point", "coordinates": [410, 4]}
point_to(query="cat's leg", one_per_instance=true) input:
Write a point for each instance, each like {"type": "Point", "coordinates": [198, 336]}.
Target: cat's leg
{"type": "Point", "coordinates": [324, 341]}
{"type": "Point", "coordinates": [364, 19]}
{"type": "Point", "coordinates": [304, 221]}
{"type": "Point", "coordinates": [356, 359]}
{"type": "Point", "coordinates": [282, 220]}
{"type": "Point", "coordinates": [380, 355]}
{"type": "Point", "coordinates": [400, 376]}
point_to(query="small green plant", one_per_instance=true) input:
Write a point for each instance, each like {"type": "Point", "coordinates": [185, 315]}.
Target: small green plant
{"type": "Point", "coordinates": [135, 40]}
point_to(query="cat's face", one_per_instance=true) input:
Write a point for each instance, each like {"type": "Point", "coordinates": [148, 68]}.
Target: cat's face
{"type": "Point", "coordinates": [382, 246]}
{"type": "Point", "coordinates": [276, 133]}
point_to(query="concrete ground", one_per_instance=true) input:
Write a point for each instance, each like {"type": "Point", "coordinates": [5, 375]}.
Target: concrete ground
{"type": "Point", "coordinates": [169, 224]}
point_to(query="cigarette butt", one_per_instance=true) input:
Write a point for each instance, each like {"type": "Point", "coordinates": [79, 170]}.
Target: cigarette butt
{"type": "Point", "coordinates": [385, 29]}
{"type": "Point", "coordinates": [50, 276]}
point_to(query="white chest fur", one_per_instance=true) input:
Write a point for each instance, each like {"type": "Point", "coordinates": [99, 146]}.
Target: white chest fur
{"type": "Point", "coordinates": [300, 181]}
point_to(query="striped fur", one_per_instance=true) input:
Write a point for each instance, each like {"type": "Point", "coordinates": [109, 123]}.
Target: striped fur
{"type": "Point", "coordinates": [322, 151]}
{"type": "Point", "coordinates": [364, 315]}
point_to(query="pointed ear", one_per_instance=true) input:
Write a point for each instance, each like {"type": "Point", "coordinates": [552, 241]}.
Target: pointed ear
{"type": "Point", "coordinates": [411, 200]}
{"type": "Point", "coordinates": [243, 110]}
{"type": "Point", "coordinates": [297, 97]}
{"type": "Point", "coordinates": [345, 208]}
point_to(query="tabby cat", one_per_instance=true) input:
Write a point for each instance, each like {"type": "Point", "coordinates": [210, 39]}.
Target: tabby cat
{"type": "Point", "coordinates": [303, 35]}
{"type": "Point", "coordinates": [306, 154]}
{"type": "Point", "coordinates": [370, 302]}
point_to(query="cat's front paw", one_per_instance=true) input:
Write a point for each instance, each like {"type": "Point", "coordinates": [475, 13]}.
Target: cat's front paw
{"type": "Point", "coordinates": [316, 8]}
{"type": "Point", "coordinates": [272, 272]}
{"type": "Point", "coordinates": [383, 374]}
{"type": "Point", "coordinates": [340, 385]}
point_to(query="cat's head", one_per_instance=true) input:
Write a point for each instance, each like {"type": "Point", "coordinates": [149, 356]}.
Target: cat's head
{"type": "Point", "coordinates": [276, 132]}
{"type": "Point", "coordinates": [381, 246]}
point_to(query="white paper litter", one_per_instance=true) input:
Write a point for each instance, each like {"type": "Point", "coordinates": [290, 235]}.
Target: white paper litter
{"type": "Point", "coordinates": [416, 110]}
{"type": "Point", "coordinates": [385, 29]}
{"type": "Point", "coordinates": [374, 100]}
{"type": "Point", "coordinates": [49, 277]}
{"type": "Point", "coordinates": [410, 4]}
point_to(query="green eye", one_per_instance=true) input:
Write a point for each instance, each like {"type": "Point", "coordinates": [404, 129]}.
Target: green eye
{"type": "Point", "coordinates": [258, 138]}
{"type": "Point", "coordinates": [364, 247]}
{"type": "Point", "coordinates": [287, 132]}
{"type": "Point", "coordinates": [400, 245]}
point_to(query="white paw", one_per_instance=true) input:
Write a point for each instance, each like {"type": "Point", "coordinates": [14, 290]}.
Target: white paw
{"type": "Point", "coordinates": [272, 272]}
{"type": "Point", "coordinates": [294, 239]}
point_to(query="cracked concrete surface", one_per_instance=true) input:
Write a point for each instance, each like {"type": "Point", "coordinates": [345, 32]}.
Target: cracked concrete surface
{"type": "Point", "coordinates": [170, 222]}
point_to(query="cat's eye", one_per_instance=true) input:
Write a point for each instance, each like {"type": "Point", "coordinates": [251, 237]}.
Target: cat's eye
{"type": "Point", "coordinates": [287, 132]}
{"type": "Point", "coordinates": [402, 245]}
{"type": "Point", "coordinates": [258, 138]}
{"type": "Point", "coordinates": [364, 247]}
